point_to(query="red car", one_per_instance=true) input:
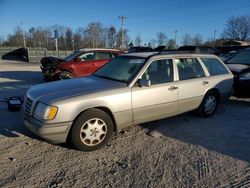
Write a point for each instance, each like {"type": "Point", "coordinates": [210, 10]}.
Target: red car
{"type": "Point", "coordinates": [80, 63]}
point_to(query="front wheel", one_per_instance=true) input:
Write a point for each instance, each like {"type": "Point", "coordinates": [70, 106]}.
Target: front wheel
{"type": "Point", "coordinates": [65, 75]}
{"type": "Point", "coordinates": [208, 105]}
{"type": "Point", "coordinates": [91, 130]}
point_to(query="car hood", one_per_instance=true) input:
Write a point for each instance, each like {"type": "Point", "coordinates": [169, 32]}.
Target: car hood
{"type": "Point", "coordinates": [49, 92]}
{"type": "Point", "coordinates": [238, 68]}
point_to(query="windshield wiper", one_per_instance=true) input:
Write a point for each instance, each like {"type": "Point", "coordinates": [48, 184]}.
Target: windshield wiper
{"type": "Point", "coordinates": [109, 78]}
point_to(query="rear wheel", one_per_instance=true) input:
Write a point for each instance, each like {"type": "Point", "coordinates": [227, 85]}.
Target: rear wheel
{"type": "Point", "coordinates": [65, 75]}
{"type": "Point", "coordinates": [91, 130]}
{"type": "Point", "coordinates": [209, 104]}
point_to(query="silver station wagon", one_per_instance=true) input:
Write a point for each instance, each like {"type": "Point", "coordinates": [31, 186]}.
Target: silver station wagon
{"type": "Point", "coordinates": [131, 89]}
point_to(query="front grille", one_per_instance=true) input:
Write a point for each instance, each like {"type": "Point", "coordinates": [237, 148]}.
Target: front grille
{"type": "Point", "coordinates": [28, 106]}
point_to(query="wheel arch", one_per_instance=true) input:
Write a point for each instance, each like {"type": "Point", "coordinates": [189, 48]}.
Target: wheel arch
{"type": "Point", "coordinates": [103, 108]}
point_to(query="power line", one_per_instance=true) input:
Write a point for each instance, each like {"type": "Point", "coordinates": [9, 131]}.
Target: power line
{"type": "Point", "coordinates": [189, 16]}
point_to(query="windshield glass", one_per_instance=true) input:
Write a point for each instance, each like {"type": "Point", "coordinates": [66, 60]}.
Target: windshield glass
{"type": "Point", "coordinates": [243, 57]}
{"type": "Point", "coordinates": [121, 68]}
{"type": "Point", "coordinates": [72, 56]}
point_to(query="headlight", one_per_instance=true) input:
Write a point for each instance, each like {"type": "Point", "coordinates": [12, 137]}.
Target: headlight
{"type": "Point", "coordinates": [45, 112]}
{"type": "Point", "coordinates": [245, 76]}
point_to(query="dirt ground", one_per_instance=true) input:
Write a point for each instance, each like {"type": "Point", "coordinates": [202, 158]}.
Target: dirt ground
{"type": "Point", "coordinates": [183, 151]}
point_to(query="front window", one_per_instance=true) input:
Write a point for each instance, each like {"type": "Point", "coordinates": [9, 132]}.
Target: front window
{"type": "Point", "coordinates": [87, 56]}
{"type": "Point", "coordinates": [72, 56]}
{"type": "Point", "coordinates": [121, 68]}
{"type": "Point", "coordinates": [243, 57]}
{"type": "Point", "coordinates": [159, 71]}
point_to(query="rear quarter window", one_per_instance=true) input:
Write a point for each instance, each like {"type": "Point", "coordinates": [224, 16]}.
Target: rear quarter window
{"type": "Point", "coordinates": [214, 66]}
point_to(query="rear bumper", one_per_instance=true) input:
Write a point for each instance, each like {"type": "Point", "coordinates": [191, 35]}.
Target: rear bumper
{"type": "Point", "coordinates": [54, 133]}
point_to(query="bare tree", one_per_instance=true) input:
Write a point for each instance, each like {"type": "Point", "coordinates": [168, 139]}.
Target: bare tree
{"type": "Point", "coordinates": [187, 40]}
{"type": "Point", "coordinates": [161, 38]}
{"type": "Point", "coordinates": [237, 28]}
{"type": "Point", "coordinates": [138, 40]}
{"type": "Point", "coordinates": [111, 37]}
{"type": "Point", "coordinates": [153, 43]}
{"type": "Point", "coordinates": [69, 39]}
{"type": "Point", "coordinates": [119, 39]}
{"type": "Point", "coordinates": [171, 44]}
{"type": "Point", "coordinates": [197, 40]}
{"type": "Point", "coordinates": [244, 27]}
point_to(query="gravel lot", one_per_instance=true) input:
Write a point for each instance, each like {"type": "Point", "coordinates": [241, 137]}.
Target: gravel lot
{"type": "Point", "coordinates": [183, 151]}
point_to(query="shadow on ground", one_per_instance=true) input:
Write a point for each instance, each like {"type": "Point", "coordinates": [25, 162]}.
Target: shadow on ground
{"type": "Point", "coordinates": [227, 132]}
{"type": "Point", "coordinates": [29, 76]}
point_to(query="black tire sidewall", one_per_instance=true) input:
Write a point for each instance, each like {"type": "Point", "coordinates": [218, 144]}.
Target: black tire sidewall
{"type": "Point", "coordinates": [63, 73]}
{"type": "Point", "coordinates": [80, 121]}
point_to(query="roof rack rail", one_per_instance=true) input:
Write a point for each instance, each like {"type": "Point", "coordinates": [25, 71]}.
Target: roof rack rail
{"type": "Point", "coordinates": [179, 52]}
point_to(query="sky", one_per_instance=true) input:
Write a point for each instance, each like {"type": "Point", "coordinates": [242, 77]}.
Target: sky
{"type": "Point", "coordinates": [144, 17]}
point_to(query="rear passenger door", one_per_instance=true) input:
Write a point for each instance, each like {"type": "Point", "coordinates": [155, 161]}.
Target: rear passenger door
{"type": "Point", "coordinates": [192, 83]}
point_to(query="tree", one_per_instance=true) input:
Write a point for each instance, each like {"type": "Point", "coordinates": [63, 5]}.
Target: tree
{"type": "Point", "coordinates": [69, 39]}
{"type": "Point", "coordinates": [197, 40]}
{"type": "Point", "coordinates": [161, 38]}
{"type": "Point", "coordinates": [111, 37]}
{"type": "Point", "coordinates": [237, 28]}
{"type": "Point", "coordinates": [138, 40]}
{"type": "Point", "coordinates": [119, 39]}
{"type": "Point", "coordinates": [187, 40]}
{"type": "Point", "coordinates": [171, 44]}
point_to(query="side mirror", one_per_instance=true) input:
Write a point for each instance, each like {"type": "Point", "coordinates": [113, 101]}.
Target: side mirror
{"type": "Point", "coordinates": [143, 82]}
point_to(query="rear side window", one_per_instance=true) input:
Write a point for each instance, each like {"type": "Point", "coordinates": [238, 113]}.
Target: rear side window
{"type": "Point", "coordinates": [189, 68]}
{"type": "Point", "coordinates": [214, 66]}
{"type": "Point", "coordinates": [103, 55]}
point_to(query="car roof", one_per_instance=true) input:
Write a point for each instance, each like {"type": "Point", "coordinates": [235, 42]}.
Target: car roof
{"type": "Point", "coordinates": [98, 49]}
{"type": "Point", "coordinates": [174, 53]}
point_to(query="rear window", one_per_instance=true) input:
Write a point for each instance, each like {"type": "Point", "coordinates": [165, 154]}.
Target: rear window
{"type": "Point", "coordinates": [214, 66]}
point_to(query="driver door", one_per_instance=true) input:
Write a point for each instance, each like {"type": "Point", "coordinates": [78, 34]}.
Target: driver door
{"type": "Point", "coordinates": [86, 65]}
{"type": "Point", "coordinates": [158, 100]}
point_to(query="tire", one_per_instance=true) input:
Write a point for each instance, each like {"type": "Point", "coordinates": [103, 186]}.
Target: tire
{"type": "Point", "coordinates": [91, 130]}
{"type": "Point", "coordinates": [208, 105]}
{"type": "Point", "coordinates": [65, 75]}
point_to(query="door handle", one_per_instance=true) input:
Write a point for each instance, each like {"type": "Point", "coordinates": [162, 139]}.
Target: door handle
{"type": "Point", "coordinates": [172, 88]}
{"type": "Point", "coordinates": [205, 82]}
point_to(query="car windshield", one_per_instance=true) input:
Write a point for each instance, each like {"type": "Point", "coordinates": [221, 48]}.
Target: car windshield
{"type": "Point", "coordinates": [242, 57]}
{"type": "Point", "coordinates": [121, 68]}
{"type": "Point", "coordinates": [72, 56]}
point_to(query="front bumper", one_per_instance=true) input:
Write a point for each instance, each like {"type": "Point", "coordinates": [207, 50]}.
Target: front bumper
{"type": "Point", "coordinates": [54, 133]}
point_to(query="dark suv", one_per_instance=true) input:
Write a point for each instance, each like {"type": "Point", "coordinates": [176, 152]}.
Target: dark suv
{"type": "Point", "coordinates": [80, 63]}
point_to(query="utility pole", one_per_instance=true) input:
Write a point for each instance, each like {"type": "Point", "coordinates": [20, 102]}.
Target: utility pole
{"type": "Point", "coordinates": [24, 39]}
{"type": "Point", "coordinates": [122, 20]}
{"type": "Point", "coordinates": [175, 37]}
{"type": "Point", "coordinates": [214, 36]}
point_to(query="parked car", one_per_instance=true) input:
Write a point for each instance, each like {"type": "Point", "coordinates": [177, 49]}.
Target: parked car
{"type": "Point", "coordinates": [136, 49]}
{"type": "Point", "coordinates": [131, 89]}
{"type": "Point", "coordinates": [239, 64]}
{"type": "Point", "coordinates": [80, 63]}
